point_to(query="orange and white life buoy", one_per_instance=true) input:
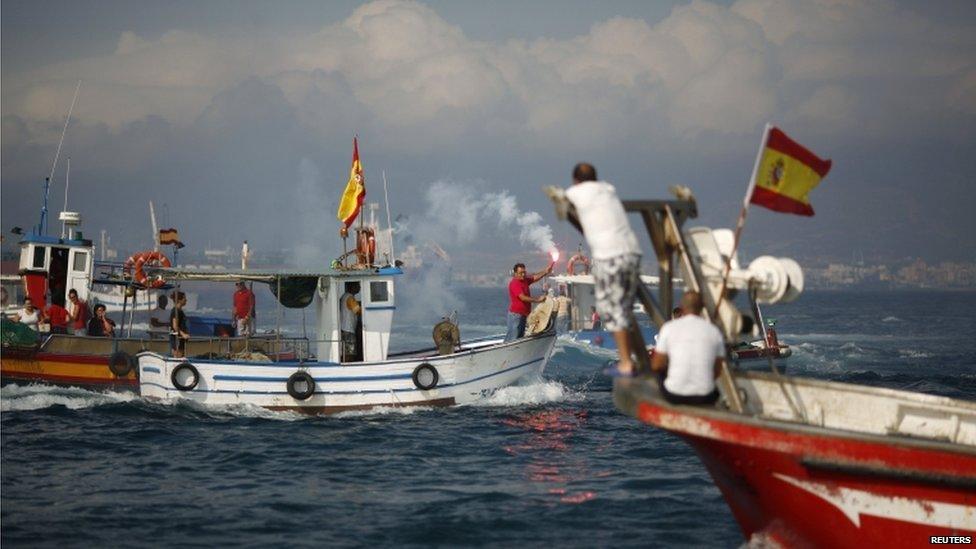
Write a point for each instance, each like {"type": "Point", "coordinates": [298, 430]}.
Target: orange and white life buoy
{"type": "Point", "coordinates": [136, 263]}
{"type": "Point", "coordinates": [578, 258]}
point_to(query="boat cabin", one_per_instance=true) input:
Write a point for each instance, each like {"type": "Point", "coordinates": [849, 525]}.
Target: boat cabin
{"type": "Point", "coordinates": [374, 290]}
{"type": "Point", "coordinates": [53, 266]}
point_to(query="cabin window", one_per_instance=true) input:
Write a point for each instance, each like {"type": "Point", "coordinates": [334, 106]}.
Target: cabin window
{"type": "Point", "coordinates": [38, 257]}
{"type": "Point", "coordinates": [379, 292]}
{"type": "Point", "coordinates": [81, 261]}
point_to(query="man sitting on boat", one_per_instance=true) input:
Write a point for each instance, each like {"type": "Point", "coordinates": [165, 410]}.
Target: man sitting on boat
{"type": "Point", "coordinates": [521, 300]}
{"type": "Point", "coordinates": [688, 355]}
{"type": "Point", "coordinates": [30, 315]}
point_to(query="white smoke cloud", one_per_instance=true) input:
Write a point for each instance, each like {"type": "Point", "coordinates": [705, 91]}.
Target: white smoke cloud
{"type": "Point", "coordinates": [457, 213]}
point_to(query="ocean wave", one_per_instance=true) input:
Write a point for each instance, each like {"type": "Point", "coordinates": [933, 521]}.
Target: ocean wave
{"type": "Point", "coordinates": [891, 319]}
{"type": "Point", "coordinates": [913, 353]}
{"type": "Point", "coordinates": [16, 398]}
{"type": "Point", "coordinates": [542, 392]}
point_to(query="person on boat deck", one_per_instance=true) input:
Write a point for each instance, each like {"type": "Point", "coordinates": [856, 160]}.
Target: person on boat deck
{"type": "Point", "coordinates": [178, 333]}
{"type": "Point", "coordinates": [688, 355]}
{"type": "Point", "coordinates": [244, 309]}
{"type": "Point", "coordinates": [101, 325]}
{"type": "Point", "coordinates": [56, 317]}
{"type": "Point", "coordinates": [616, 255]}
{"type": "Point", "coordinates": [595, 323]}
{"type": "Point", "coordinates": [77, 314]}
{"type": "Point", "coordinates": [350, 310]}
{"type": "Point", "coordinates": [562, 310]}
{"type": "Point", "coordinates": [159, 318]}
{"type": "Point", "coordinates": [521, 300]}
{"type": "Point", "coordinates": [29, 315]}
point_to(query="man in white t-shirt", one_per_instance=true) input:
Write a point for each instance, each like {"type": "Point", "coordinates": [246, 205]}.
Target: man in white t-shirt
{"type": "Point", "coordinates": [616, 256]}
{"type": "Point", "coordinates": [688, 355]}
{"type": "Point", "coordinates": [159, 327]}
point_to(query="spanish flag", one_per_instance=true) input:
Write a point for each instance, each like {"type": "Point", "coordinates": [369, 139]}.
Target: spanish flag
{"type": "Point", "coordinates": [785, 175]}
{"type": "Point", "coordinates": [170, 236]}
{"type": "Point", "coordinates": [355, 193]}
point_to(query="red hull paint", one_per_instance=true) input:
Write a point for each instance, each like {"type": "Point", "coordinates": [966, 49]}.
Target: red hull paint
{"type": "Point", "coordinates": [813, 487]}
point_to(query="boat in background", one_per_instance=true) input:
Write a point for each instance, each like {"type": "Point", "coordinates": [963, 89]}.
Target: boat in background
{"type": "Point", "coordinates": [48, 268]}
{"type": "Point", "coordinates": [339, 378]}
{"type": "Point", "coordinates": [799, 461]}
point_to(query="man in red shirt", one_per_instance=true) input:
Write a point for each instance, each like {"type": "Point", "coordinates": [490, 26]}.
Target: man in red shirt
{"type": "Point", "coordinates": [520, 297]}
{"type": "Point", "coordinates": [244, 309]}
{"type": "Point", "coordinates": [57, 317]}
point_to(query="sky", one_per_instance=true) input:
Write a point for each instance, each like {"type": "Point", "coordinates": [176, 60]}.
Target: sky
{"type": "Point", "coordinates": [236, 118]}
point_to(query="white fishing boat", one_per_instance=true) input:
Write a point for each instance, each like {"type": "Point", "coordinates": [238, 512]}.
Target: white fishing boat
{"type": "Point", "coordinates": [453, 372]}
{"type": "Point", "coordinates": [351, 369]}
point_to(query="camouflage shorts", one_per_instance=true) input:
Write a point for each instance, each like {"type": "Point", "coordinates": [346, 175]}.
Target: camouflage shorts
{"type": "Point", "coordinates": [616, 287]}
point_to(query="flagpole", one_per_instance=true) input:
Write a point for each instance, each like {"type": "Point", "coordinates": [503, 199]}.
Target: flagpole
{"type": "Point", "coordinates": [741, 222]}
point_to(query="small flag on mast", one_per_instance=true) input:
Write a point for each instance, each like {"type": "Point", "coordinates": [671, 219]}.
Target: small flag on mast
{"type": "Point", "coordinates": [785, 175]}
{"type": "Point", "coordinates": [170, 237]}
{"type": "Point", "coordinates": [352, 198]}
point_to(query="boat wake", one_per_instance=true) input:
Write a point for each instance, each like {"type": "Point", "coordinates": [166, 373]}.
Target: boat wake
{"type": "Point", "coordinates": [16, 398]}
{"type": "Point", "coordinates": [533, 393]}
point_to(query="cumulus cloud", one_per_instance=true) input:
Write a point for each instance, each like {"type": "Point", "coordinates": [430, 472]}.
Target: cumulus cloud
{"type": "Point", "coordinates": [704, 68]}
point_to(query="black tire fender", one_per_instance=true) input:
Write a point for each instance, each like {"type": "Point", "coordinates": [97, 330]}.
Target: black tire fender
{"type": "Point", "coordinates": [120, 363]}
{"type": "Point", "coordinates": [425, 376]}
{"type": "Point", "coordinates": [193, 381]}
{"type": "Point", "coordinates": [294, 382]}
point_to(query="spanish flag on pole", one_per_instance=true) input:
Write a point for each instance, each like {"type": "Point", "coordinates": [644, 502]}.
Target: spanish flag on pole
{"type": "Point", "coordinates": [785, 173]}
{"type": "Point", "coordinates": [355, 193]}
{"type": "Point", "coordinates": [170, 237]}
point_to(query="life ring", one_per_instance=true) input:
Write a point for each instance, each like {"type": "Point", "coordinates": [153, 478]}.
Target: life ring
{"type": "Point", "coordinates": [425, 376]}
{"type": "Point", "coordinates": [137, 261]}
{"type": "Point", "coordinates": [120, 363]}
{"type": "Point", "coordinates": [571, 264]}
{"type": "Point", "coordinates": [295, 381]}
{"type": "Point", "coordinates": [191, 381]}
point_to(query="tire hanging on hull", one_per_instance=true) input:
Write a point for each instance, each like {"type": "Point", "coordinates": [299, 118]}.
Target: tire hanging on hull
{"type": "Point", "coordinates": [425, 376]}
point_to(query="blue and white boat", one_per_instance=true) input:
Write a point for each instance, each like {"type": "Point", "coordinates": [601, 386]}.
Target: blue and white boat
{"type": "Point", "coordinates": [453, 372]}
{"type": "Point", "coordinates": [579, 288]}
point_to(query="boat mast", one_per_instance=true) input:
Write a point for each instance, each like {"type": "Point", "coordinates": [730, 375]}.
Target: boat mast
{"type": "Point", "coordinates": [155, 231]}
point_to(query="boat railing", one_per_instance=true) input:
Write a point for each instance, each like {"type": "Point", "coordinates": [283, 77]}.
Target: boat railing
{"type": "Point", "coordinates": [269, 347]}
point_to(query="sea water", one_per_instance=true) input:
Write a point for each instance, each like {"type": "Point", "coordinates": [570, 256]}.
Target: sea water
{"type": "Point", "coordinates": [550, 462]}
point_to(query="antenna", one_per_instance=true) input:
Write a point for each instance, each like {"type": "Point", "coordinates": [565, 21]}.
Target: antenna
{"type": "Point", "coordinates": [386, 198]}
{"type": "Point", "coordinates": [64, 130]}
{"type": "Point", "coordinates": [67, 177]}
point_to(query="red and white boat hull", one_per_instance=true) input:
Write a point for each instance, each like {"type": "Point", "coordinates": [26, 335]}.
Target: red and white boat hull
{"type": "Point", "coordinates": [815, 485]}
